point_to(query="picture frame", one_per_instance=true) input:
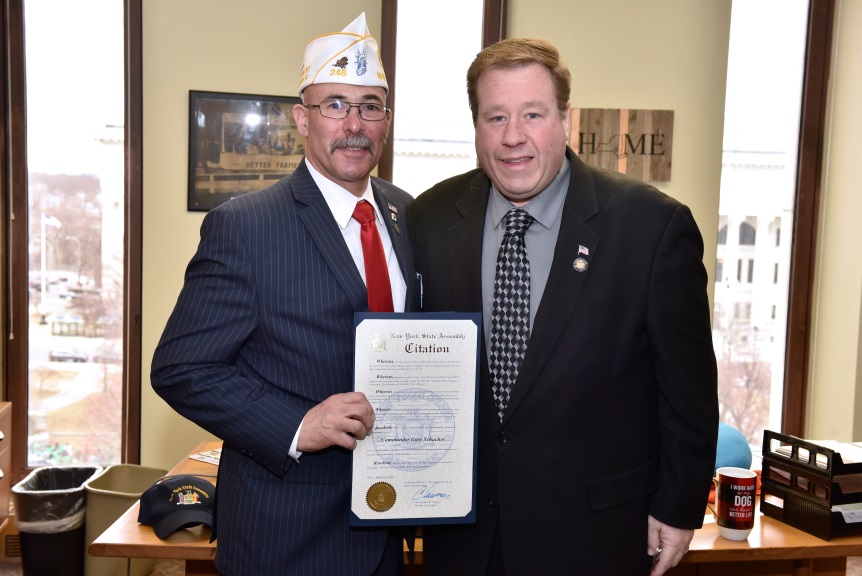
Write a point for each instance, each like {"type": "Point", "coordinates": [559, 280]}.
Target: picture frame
{"type": "Point", "coordinates": [239, 143]}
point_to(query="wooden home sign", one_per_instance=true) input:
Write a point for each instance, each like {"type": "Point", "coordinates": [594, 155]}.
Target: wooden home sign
{"type": "Point", "coordinates": [635, 142]}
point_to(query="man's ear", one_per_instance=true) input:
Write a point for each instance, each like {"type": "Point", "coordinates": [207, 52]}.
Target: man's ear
{"type": "Point", "coordinates": [567, 119]}
{"type": "Point", "coordinates": [300, 116]}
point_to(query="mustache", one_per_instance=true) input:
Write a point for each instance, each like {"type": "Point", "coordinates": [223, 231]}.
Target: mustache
{"type": "Point", "coordinates": [353, 141]}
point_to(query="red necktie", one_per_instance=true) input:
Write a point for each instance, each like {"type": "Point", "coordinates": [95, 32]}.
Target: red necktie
{"type": "Point", "coordinates": [376, 272]}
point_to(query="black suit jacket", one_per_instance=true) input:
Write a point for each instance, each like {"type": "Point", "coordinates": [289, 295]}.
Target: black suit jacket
{"type": "Point", "coordinates": [614, 415]}
{"type": "Point", "coordinates": [261, 332]}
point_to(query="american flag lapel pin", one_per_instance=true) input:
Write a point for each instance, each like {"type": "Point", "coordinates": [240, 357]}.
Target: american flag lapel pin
{"type": "Point", "coordinates": [580, 264]}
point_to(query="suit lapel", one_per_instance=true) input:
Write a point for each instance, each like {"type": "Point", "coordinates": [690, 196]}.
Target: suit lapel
{"type": "Point", "coordinates": [319, 223]}
{"type": "Point", "coordinates": [394, 220]}
{"type": "Point", "coordinates": [465, 253]}
{"type": "Point", "coordinates": [565, 280]}
{"type": "Point", "coordinates": [465, 244]}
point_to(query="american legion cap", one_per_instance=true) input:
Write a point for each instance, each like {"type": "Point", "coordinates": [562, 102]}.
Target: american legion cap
{"type": "Point", "coordinates": [351, 56]}
{"type": "Point", "coordinates": [177, 502]}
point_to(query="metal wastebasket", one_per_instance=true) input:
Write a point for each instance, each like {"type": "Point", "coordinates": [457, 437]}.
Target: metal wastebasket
{"type": "Point", "coordinates": [50, 512]}
{"type": "Point", "coordinates": [109, 495]}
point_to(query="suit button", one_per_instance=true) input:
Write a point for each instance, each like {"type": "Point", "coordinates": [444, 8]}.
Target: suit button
{"type": "Point", "coordinates": [502, 437]}
{"type": "Point", "coordinates": [492, 502]}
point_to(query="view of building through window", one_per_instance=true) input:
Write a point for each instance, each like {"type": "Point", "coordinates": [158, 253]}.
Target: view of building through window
{"type": "Point", "coordinates": [75, 110]}
{"type": "Point", "coordinates": [762, 114]}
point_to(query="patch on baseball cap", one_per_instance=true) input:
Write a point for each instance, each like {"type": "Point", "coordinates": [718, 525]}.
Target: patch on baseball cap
{"type": "Point", "coordinates": [177, 502]}
{"type": "Point", "coordinates": [351, 56]}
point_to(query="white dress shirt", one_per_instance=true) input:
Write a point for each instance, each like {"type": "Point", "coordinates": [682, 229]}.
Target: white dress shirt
{"type": "Point", "coordinates": [342, 203]}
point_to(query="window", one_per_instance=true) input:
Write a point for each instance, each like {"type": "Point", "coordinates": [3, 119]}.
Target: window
{"type": "Point", "coordinates": [719, 270]}
{"type": "Point", "coordinates": [764, 90]}
{"type": "Point", "coordinates": [428, 152]}
{"type": "Point", "coordinates": [747, 234]}
{"type": "Point", "coordinates": [490, 27]}
{"type": "Point", "coordinates": [76, 201]}
{"type": "Point", "coordinates": [74, 365]}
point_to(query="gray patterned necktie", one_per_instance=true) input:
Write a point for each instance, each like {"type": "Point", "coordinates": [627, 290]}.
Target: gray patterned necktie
{"type": "Point", "coordinates": [510, 316]}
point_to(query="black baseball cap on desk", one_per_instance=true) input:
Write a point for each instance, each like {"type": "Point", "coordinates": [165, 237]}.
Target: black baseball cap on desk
{"type": "Point", "coordinates": [177, 502]}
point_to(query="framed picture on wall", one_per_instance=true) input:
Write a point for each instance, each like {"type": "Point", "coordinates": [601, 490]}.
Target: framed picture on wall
{"type": "Point", "coordinates": [239, 143]}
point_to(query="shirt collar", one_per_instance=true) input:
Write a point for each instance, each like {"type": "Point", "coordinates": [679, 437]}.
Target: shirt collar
{"type": "Point", "coordinates": [340, 201]}
{"type": "Point", "coordinates": [544, 207]}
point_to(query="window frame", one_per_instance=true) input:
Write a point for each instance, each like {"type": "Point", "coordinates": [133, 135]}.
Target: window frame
{"type": "Point", "coordinates": [810, 161]}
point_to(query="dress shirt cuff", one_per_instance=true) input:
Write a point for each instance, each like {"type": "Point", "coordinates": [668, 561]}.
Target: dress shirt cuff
{"type": "Point", "coordinates": [294, 453]}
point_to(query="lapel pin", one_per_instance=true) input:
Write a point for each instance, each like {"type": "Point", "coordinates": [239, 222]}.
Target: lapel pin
{"type": "Point", "coordinates": [580, 265]}
{"type": "Point", "coordinates": [583, 250]}
{"type": "Point", "coordinates": [397, 228]}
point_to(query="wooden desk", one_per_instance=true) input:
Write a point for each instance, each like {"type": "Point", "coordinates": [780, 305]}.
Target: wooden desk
{"type": "Point", "coordinates": [125, 538]}
{"type": "Point", "coordinates": [772, 549]}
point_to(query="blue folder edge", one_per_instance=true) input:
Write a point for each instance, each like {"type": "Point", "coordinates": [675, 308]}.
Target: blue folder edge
{"type": "Point", "coordinates": [476, 318]}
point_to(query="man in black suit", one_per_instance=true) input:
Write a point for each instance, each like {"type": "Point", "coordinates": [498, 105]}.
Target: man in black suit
{"type": "Point", "coordinates": [259, 349]}
{"type": "Point", "coordinates": [598, 411]}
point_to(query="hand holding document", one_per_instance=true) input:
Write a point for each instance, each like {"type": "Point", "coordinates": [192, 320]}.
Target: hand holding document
{"type": "Point", "coordinates": [419, 372]}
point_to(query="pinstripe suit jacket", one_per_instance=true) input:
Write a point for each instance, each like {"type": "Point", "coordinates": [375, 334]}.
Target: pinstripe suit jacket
{"type": "Point", "coordinates": [261, 332]}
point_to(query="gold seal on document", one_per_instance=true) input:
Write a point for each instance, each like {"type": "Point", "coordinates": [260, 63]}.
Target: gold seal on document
{"type": "Point", "coordinates": [380, 497]}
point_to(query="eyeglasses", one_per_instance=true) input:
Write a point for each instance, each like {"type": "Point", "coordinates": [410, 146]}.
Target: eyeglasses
{"type": "Point", "coordinates": [339, 109]}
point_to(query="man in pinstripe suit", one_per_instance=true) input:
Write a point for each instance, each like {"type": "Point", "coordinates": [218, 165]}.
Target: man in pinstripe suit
{"type": "Point", "coordinates": [259, 349]}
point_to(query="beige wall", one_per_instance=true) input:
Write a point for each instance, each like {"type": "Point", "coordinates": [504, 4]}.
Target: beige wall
{"type": "Point", "coordinates": [668, 54]}
{"type": "Point", "coordinates": [834, 400]}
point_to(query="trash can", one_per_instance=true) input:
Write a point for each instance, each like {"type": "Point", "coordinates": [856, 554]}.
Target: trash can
{"type": "Point", "coordinates": [50, 511]}
{"type": "Point", "coordinates": [109, 495]}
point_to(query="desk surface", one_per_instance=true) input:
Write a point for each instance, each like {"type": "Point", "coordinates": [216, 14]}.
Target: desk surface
{"type": "Point", "coordinates": [127, 539]}
{"type": "Point", "coordinates": [770, 539]}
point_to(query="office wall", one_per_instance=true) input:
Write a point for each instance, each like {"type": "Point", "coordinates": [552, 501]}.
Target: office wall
{"type": "Point", "coordinates": [834, 399]}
